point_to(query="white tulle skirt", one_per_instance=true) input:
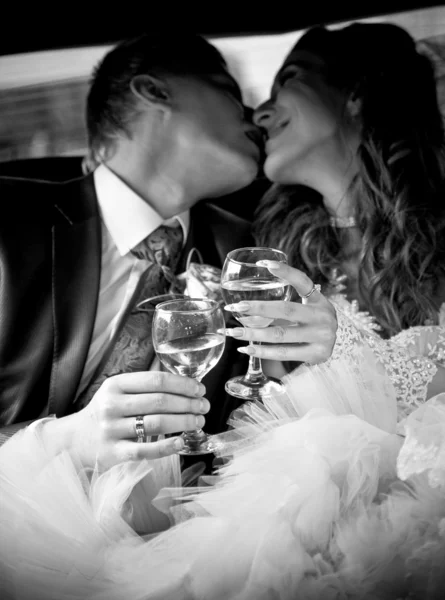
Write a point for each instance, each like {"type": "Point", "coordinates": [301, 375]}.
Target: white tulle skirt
{"type": "Point", "coordinates": [318, 498]}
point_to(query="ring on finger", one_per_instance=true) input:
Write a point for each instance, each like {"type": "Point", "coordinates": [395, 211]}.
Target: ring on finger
{"type": "Point", "coordinates": [316, 287]}
{"type": "Point", "coordinates": [139, 428]}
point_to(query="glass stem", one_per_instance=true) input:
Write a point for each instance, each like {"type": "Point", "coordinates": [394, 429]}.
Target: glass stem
{"type": "Point", "coordinates": [254, 363]}
{"type": "Point", "coordinates": [255, 372]}
{"type": "Point", "coordinates": [195, 436]}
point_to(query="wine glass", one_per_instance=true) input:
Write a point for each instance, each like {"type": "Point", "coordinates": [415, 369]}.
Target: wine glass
{"type": "Point", "coordinates": [187, 342]}
{"type": "Point", "coordinates": [243, 279]}
{"type": "Point", "coordinates": [149, 304]}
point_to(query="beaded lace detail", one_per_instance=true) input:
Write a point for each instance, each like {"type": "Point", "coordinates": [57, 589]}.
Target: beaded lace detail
{"type": "Point", "coordinates": [409, 370]}
{"type": "Point", "coordinates": [427, 341]}
{"type": "Point", "coordinates": [336, 293]}
{"type": "Point", "coordinates": [409, 358]}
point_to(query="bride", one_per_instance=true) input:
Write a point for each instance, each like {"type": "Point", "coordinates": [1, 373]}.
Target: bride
{"type": "Point", "coordinates": [337, 489]}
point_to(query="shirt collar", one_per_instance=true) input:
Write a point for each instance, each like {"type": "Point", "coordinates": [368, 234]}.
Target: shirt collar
{"type": "Point", "coordinates": [128, 218]}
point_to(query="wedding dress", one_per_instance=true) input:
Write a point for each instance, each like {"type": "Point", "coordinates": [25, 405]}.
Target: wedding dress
{"type": "Point", "coordinates": [335, 490]}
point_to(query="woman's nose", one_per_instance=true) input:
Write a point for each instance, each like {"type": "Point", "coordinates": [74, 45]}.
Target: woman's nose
{"type": "Point", "coordinates": [263, 114]}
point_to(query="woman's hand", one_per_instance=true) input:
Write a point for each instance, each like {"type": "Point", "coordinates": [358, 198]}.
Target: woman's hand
{"type": "Point", "coordinates": [304, 332]}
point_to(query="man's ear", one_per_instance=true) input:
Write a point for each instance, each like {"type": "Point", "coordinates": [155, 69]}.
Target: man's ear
{"type": "Point", "coordinates": [354, 105]}
{"type": "Point", "coordinates": [151, 90]}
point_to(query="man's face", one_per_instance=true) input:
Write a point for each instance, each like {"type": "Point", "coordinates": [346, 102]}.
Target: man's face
{"type": "Point", "coordinates": [213, 132]}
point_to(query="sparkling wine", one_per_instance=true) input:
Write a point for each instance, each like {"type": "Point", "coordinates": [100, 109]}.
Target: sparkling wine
{"type": "Point", "coordinates": [192, 356]}
{"type": "Point", "coordinates": [254, 288]}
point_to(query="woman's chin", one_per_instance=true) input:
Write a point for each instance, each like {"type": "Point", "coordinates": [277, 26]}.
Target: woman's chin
{"type": "Point", "coordinates": [278, 171]}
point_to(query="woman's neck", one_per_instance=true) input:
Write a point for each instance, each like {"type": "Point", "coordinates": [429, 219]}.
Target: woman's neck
{"type": "Point", "coordinates": [350, 242]}
{"type": "Point", "coordinates": [335, 185]}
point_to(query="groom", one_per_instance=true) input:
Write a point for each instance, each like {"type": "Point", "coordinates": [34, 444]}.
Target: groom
{"type": "Point", "coordinates": [167, 128]}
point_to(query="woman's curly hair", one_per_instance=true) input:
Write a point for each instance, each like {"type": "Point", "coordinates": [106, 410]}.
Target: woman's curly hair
{"type": "Point", "coordinates": [399, 189]}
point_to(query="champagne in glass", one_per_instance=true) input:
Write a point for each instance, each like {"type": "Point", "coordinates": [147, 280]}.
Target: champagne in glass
{"type": "Point", "coordinates": [243, 279]}
{"type": "Point", "coordinates": [192, 356]}
{"type": "Point", "coordinates": [253, 288]}
{"type": "Point", "coordinates": [187, 342]}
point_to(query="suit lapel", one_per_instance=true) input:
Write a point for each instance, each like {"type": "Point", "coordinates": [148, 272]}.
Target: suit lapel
{"type": "Point", "coordinates": [75, 281]}
{"type": "Point", "coordinates": [217, 232]}
{"type": "Point", "coordinates": [199, 237]}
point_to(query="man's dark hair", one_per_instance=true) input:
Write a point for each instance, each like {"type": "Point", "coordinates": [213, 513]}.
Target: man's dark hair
{"type": "Point", "coordinates": [111, 105]}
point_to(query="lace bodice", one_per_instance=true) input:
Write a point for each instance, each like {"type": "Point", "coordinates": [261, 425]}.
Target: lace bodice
{"type": "Point", "coordinates": [428, 341]}
{"type": "Point", "coordinates": [410, 358]}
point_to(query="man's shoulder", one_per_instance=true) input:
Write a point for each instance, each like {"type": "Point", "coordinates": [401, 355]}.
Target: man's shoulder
{"type": "Point", "coordinates": [25, 198]}
{"type": "Point", "coordinates": [215, 215]}
{"type": "Point", "coordinates": [36, 199]}
{"type": "Point", "coordinates": [219, 231]}
{"type": "Point", "coordinates": [17, 184]}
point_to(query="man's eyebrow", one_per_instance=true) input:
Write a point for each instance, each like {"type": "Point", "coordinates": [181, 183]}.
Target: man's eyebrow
{"type": "Point", "coordinates": [313, 63]}
{"type": "Point", "coordinates": [227, 82]}
{"type": "Point", "coordinates": [234, 91]}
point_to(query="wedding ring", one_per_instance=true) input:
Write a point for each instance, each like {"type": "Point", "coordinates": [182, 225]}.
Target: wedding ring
{"type": "Point", "coordinates": [140, 429]}
{"type": "Point", "coordinates": [316, 287]}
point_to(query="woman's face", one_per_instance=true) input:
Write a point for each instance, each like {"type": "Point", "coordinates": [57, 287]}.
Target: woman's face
{"type": "Point", "coordinates": [306, 122]}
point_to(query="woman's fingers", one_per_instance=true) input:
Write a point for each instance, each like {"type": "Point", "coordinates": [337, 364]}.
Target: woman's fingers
{"type": "Point", "coordinates": [308, 353]}
{"type": "Point", "coordinates": [296, 278]}
{"type": "Point", "coordinates": [283, 334]}
{"type": "Point", "coordinates": [303, 332]}
{"type": "Point", "coordinates": [277, 309]}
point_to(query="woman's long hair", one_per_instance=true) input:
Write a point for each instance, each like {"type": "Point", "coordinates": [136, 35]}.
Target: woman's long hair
{"type": "Point", "coordinates": [399, 189]}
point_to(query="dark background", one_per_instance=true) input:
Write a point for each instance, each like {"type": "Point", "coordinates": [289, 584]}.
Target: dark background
{"type": "Point", "coordinates": [70, 23]}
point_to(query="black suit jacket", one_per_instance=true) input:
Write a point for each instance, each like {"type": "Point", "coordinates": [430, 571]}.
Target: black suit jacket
{"type": "Point", "coordinates": [50, 257]}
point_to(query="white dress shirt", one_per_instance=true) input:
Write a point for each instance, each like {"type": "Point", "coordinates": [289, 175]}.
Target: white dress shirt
{"type": "Point", "coordinates": [126, 220]}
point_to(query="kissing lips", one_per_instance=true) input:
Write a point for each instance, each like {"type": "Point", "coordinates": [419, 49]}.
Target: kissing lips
{"type": "Point", "coordinates": [255, 136]}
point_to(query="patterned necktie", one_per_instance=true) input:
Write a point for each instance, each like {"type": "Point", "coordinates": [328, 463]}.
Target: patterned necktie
{"type": "Point", "coordinates": [132, 347]}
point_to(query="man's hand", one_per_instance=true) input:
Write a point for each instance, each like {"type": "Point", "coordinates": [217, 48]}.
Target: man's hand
{"type": "Point", "coordinates": [169, 403]}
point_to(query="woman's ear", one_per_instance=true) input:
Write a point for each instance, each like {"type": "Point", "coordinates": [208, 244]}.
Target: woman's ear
{"type": "Point", "coordinates": [151, 90]}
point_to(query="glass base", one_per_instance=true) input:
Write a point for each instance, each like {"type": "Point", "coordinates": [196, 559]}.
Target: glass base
{"type": "Point", "coordinates": [259, 388]}
{"type": "Point", "coordinates": [197, 443]}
